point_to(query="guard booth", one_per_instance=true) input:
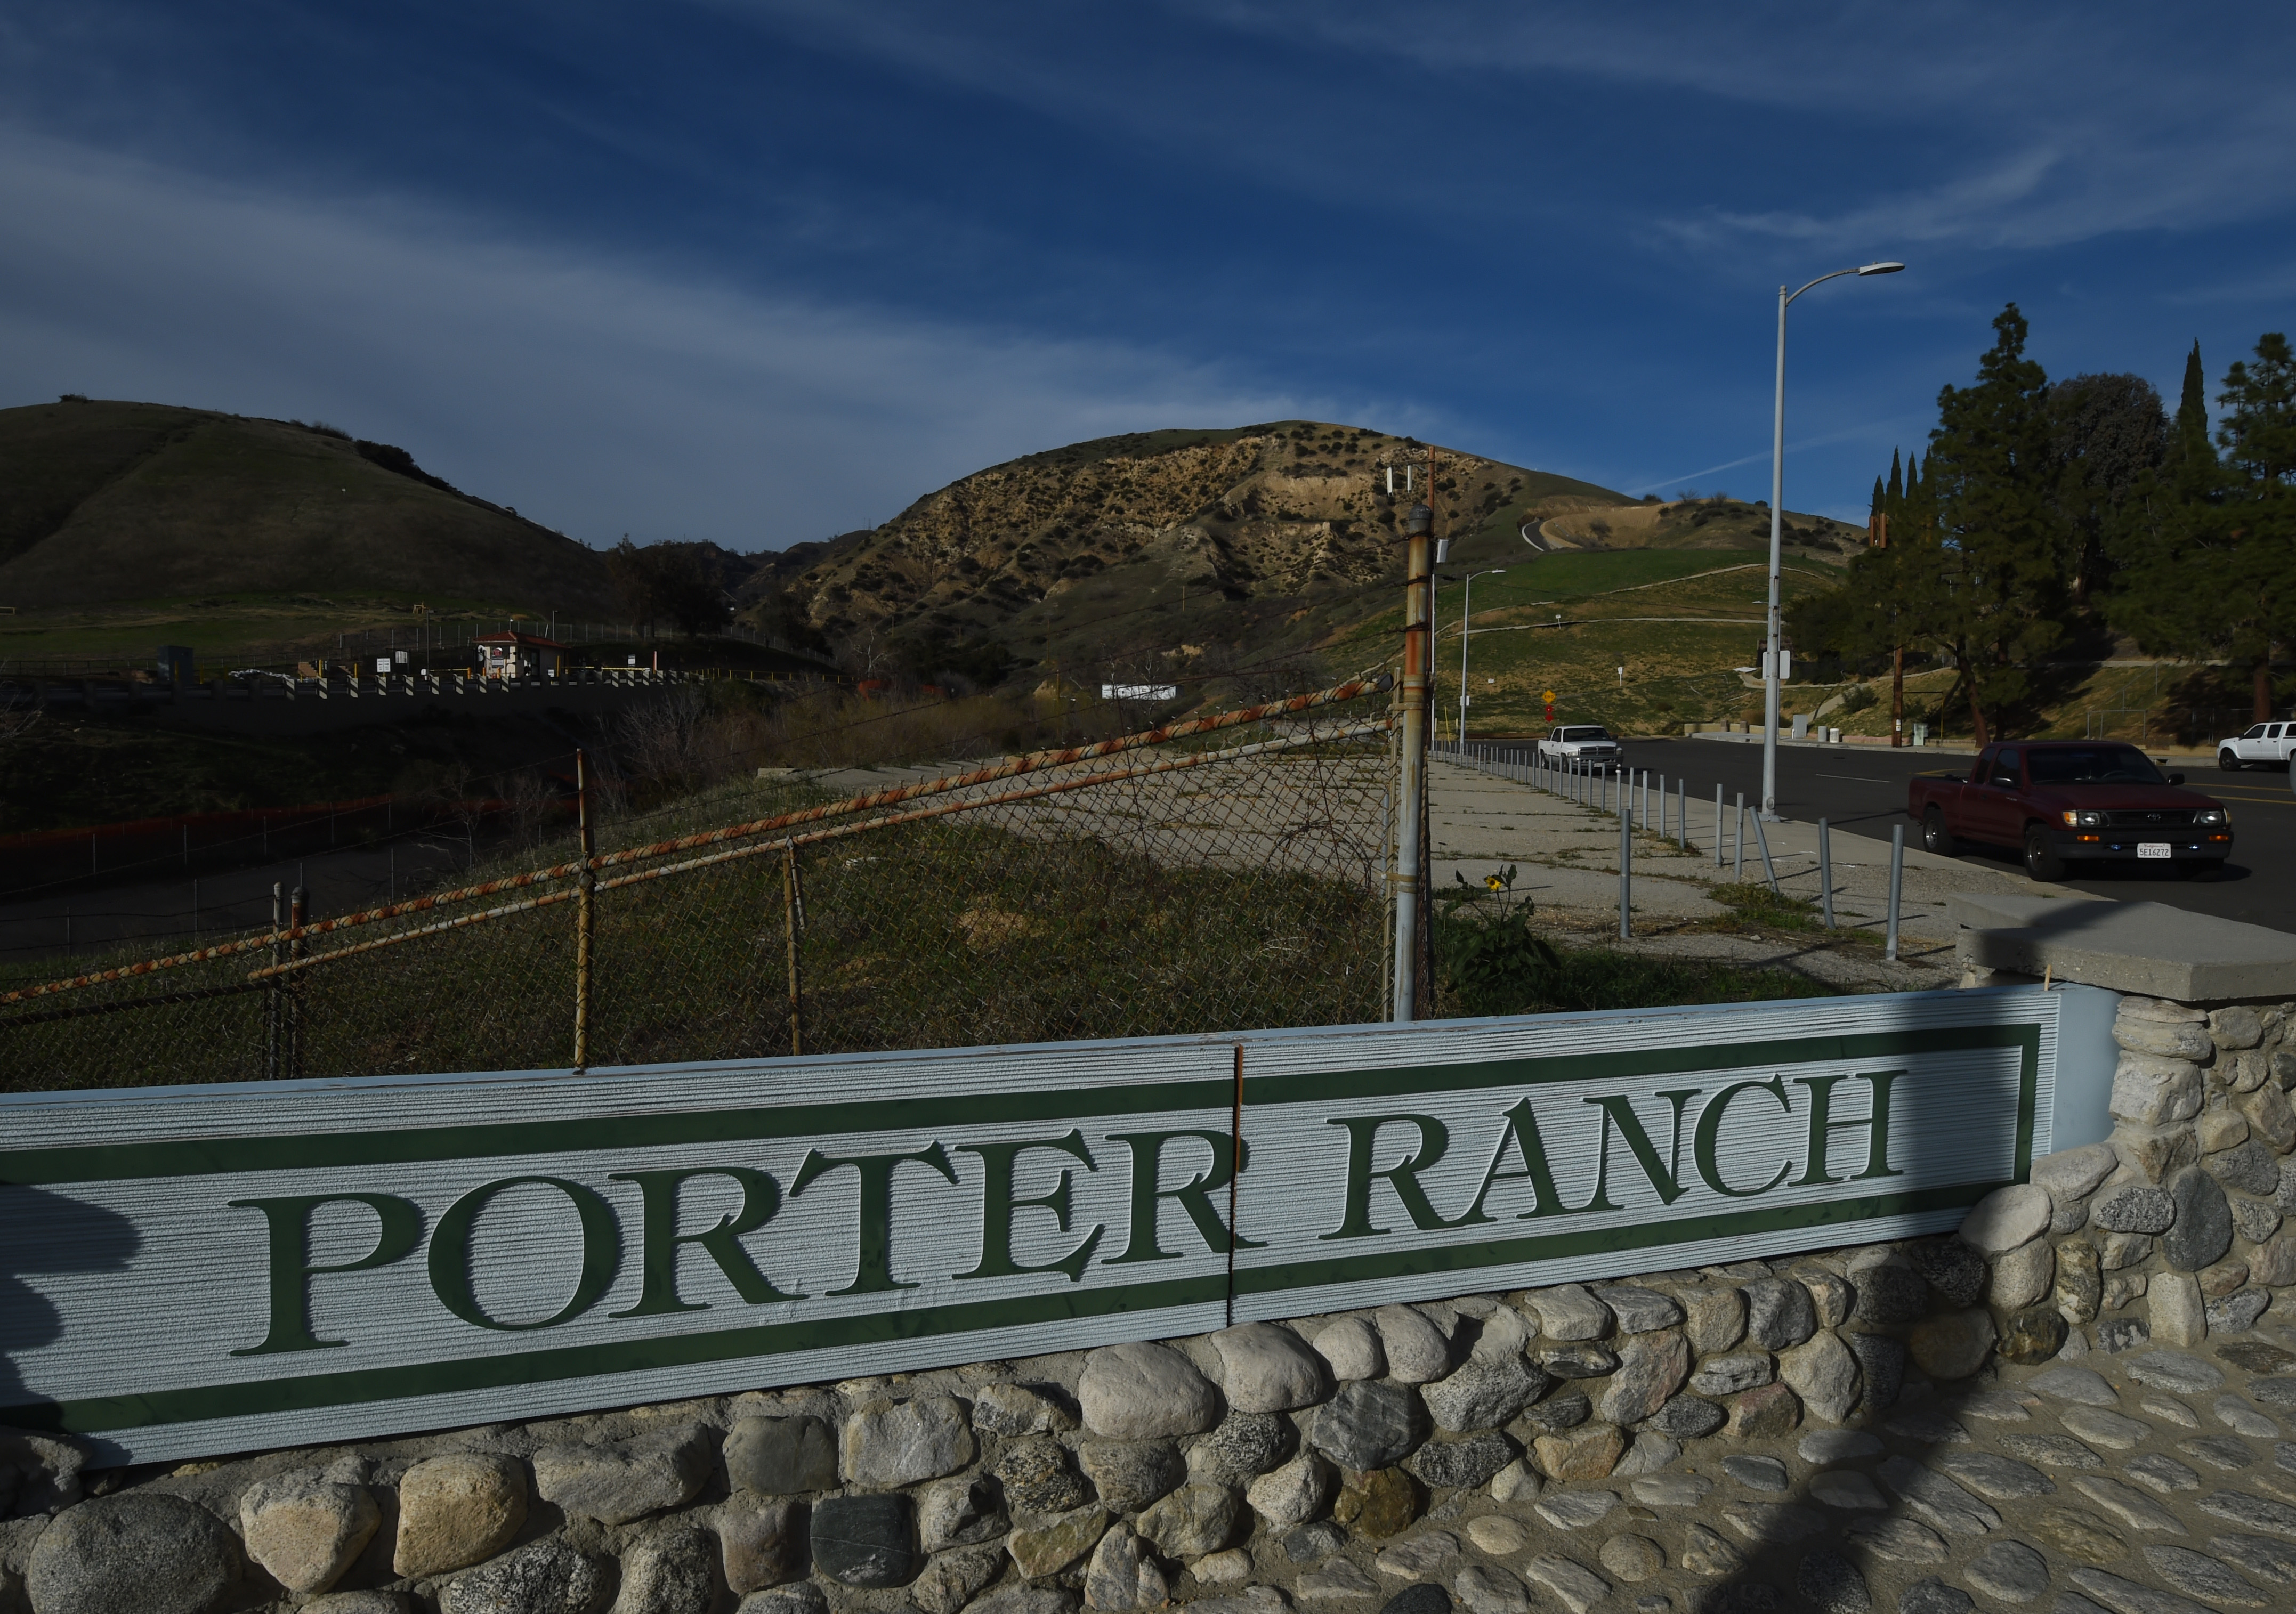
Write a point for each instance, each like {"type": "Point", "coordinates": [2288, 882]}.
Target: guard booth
{"type": "Point", "coordinates": [515, 656]}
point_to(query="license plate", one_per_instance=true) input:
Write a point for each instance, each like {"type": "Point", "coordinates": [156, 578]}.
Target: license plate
{"type": "Point", "coordinates": [2152, 849]}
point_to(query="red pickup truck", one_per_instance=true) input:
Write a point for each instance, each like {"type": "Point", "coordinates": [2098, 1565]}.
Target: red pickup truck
{"type": "Point", "coordinates": [2061, 801]}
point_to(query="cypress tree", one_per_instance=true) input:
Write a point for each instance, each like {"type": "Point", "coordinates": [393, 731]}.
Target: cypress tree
{"type": "Point", "coordinates": [2190, 439]}
{"type": "Point", "coordinates": [1897, 481]}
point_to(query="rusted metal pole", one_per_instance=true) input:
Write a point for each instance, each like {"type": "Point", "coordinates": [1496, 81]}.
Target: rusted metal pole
{"type": "Point", "coordinates": [1409, 876]}
{"type": "Point", "coordinates": [586, 915]}
{"type": "Point", "coordinates": [299, 907]}
{"type": "Point", "coordinates": [792, 923]}
{"type": "Point", "coordinates": [273, 996]}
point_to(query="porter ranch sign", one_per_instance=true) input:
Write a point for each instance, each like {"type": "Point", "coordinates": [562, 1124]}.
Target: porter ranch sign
{"type": "Point", "coordinates": [222, 1268]}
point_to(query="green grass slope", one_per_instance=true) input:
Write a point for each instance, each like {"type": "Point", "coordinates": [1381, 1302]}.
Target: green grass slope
{"type": "Point", "coordinates": [108, 501]}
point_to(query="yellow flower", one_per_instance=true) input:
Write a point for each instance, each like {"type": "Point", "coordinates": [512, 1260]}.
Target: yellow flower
{"type": "Point", "coordinates": [1492, 881]}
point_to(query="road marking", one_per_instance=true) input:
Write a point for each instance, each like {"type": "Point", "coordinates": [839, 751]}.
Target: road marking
{"type": "Point", "coordinates": [1857, 779]}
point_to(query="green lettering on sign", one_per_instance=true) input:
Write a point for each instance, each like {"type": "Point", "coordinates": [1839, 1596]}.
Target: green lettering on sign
{"type": "Point", "coordinates": [1618, 1111]}
{"type": "Point", "coordinates": [1823, 1125]}
{"type": "Point", "coordinates": [399, 1230]}
{"type": "Point", "coordinates": [1403, 1177]}
{"type": "Point", "coordinates": [998, 1204]}
{"type": "Point", "coordinates": [1194, 1195]}
{"type": "Point", "coordinates": [873, 1273]}
{"type": "Point", "coordinates": [451, 1253]}
{"type": "Point", "coordinates": [1709, 1129]}
{"type": "Point", "coordinates": [1522, 1131]}
{"type": "Point", "coordinates": [658, 1193]}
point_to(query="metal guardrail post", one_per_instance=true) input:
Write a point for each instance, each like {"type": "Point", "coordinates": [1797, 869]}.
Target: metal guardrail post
{"type": "Point", "coordinates": [585, 913]}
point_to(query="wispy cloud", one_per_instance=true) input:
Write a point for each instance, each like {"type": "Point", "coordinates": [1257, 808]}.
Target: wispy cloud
{"type": "Point", "coordinates": [600, 395]}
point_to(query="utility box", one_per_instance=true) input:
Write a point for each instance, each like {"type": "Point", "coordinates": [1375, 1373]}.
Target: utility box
{"type": "Point", "coordinates": [176, 666]}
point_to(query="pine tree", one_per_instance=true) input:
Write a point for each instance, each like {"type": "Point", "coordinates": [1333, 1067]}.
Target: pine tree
{"type": "Point", "coordinates": [2259, 511]}
{"type": "Point", "coordinates": [2172, 550]}
{"type": "Point", "coordinates": [1992, 479]}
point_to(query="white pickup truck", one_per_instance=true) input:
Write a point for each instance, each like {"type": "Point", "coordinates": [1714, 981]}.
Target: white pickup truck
{"type": "Point", "coordinates": [1589, 745]}
{"type": "Point", "coordinates": [2266, 743]}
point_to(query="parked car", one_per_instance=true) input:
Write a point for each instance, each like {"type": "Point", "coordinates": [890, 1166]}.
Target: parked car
{"type": "Point", "coordinates": [2061, 801]}
{"type": "Point", "coordinates": [1589, 745]}
{"type": "Point", "coordinates": [2269, 743]}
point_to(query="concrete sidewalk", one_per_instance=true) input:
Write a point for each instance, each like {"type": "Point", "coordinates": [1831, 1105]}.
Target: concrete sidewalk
{"type": "Point", "coordinates": [1566, 862]}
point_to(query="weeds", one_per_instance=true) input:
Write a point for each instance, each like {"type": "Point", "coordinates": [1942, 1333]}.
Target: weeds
{"type": "Point", "coordinates": [1754, 906]}
{"type": "Point", "coordinates": [1489, 962]}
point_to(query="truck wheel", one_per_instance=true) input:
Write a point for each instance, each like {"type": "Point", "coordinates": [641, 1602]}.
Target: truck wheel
{"type": "Point", "coordinates": [1935, 838]}
{"type": "Point", "coordinates": [2227, 761]}
{"type": "Point", "coordinates": [2041, 863]}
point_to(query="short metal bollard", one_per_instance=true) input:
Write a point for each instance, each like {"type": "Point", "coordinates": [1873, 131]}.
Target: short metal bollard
{"type": "Point", "coordinates": [1626, 868]}
{"type": "Point", "coordinates": [1825, 870]}
{"type": "Point", "coordinates": [1897, 884]}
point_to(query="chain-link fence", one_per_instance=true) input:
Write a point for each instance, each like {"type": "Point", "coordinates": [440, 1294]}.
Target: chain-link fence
{"type": "Point", "coordinates": [1221, 873]}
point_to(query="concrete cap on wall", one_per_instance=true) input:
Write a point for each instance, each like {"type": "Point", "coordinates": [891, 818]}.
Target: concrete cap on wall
{"type": "Point", "coordinates": [2143, 947]}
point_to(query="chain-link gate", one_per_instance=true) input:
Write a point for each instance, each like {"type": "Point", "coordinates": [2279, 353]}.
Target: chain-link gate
{"type": "Point", "coordinates": [1222, 873]}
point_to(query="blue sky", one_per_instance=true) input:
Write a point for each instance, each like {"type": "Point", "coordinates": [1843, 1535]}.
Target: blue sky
{"type": "Point", "coordinates": [763, 270]}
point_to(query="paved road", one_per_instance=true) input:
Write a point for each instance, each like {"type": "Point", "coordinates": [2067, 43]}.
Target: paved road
{"type": "Point", "coordinates": [1863, 790]}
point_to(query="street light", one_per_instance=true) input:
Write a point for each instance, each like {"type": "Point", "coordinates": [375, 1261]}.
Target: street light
{"type": "Point", "coordinates": [1770, 668]}
{"type": "Point", "coordinates": [1466, 610]}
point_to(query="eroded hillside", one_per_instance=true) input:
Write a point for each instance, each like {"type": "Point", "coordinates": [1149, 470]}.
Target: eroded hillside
{"type": "Point", "coordinates": [1087, 552]}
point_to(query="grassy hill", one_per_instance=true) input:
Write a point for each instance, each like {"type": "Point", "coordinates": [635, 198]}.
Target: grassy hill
{"type": "Point", "coordinates": [103, 504]}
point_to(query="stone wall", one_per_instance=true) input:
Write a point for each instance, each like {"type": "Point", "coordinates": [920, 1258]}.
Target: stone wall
{"type": "Point", "coordinates": [2177, 1221]}
{"type": "Point", "coordinates": [1264, 1466]}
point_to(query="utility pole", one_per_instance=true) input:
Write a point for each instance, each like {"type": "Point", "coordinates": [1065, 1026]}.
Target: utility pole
{"type": "Point", "coordinates": [1418, 662]}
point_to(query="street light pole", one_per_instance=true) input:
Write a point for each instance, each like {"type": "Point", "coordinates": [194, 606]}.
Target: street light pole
{"type": "Point", "coordinates": [1466, 611]}
{"type": "Point", "coordinates": [1770, 666]}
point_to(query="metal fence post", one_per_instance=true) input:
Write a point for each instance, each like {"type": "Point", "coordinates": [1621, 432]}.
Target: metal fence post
{"type": "Point", "coordinates": [793, 923]}
{"type": "Point", "coordinates": [274, 989]}
{"type": "Point", "coordinates": [1418, 620]}
{"type": "Point", "coordinates": [1718, 826]}
{"type": "Point", "coordinates": [1738, 866]}
{"type": "Point", "coordinates": [298, 908]}
{"type": "Point", "coordinates": [585, 913]}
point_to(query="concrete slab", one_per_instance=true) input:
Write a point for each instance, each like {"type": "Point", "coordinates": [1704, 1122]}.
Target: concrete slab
{"type": "Point", "coordinates": [2145, 947]}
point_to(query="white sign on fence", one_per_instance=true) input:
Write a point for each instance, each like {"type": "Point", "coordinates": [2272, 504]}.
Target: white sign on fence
{"type": "Point", "coordinates": [196, 1270]}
